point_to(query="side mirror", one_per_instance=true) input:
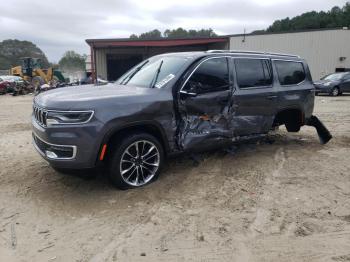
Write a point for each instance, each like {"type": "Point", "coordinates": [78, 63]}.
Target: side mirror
{"type": "Point", "coordinates": [185, 94]}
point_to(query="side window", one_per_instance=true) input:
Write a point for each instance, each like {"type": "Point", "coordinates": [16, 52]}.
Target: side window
{"type": "Point", "coordinates": [290, 73]}
{"type": "Point", "coordinates": [347, 77]}
{"type": "Point", "coordinates": [211, 76]}
{"type": "Point", "coordinates": [253, 72]}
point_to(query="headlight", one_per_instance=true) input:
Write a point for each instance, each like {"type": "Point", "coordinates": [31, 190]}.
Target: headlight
{"type": "Point", "coordinates": [68, 117]}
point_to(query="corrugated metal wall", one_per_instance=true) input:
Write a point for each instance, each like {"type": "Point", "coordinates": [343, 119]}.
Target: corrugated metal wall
{"type": "Point", "coordinates": [321, 49]}
{"type": "Point", "coordinates": [101, 63]}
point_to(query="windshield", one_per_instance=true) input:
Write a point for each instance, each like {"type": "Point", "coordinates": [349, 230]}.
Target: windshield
{"type": "Point", "coordinates": [154, 72]}
{"type": "Point", "coordinates": [333, 77]}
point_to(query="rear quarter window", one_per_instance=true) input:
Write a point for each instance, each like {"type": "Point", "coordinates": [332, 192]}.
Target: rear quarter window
{"type": "Point", "coordinates": [290, 72]}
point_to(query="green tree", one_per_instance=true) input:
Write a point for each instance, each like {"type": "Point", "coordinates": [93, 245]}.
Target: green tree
{"type": "Point", "coordinates": [336, 17]}
{"type": "Point", "coordinates": [72, 61]}
{"type": "Point", "coordinates": [175, 33]}
{"type": "Point", "coordinates": [183, 33]}
{"type": "Point", "coordinates": [151, 34]}
{"type": "Point", "coordinates": [133, 36]}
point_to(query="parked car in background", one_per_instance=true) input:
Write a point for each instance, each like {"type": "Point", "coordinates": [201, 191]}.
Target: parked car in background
{"type": "Point", "coordinates": [13, 81]}
{"type": "Point", "coordinates": [3, 86]}
{"type": "Point", "coordinates": [170, 104]}
{"type": "Point", "coordinates": [334, 84]}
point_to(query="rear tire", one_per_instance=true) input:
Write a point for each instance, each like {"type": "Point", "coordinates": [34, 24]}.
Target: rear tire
{"type": "Point", "coordinates": [293, 127]}
{"type": "Point", "coordinates": [136, 161]}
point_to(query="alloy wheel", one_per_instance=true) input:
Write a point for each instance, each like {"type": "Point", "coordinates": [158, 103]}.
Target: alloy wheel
{"type": "Point", "coordinates": [335, 91]}
{"type": "Point", "coordinates": [139, 163]}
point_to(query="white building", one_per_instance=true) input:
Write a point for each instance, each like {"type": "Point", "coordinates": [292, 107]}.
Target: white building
{"type": "Point", "coordinates": [326, 51]}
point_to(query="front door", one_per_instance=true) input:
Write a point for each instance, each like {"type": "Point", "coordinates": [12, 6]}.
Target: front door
{"type": "Point", "coordinates": [204, 106]}
{"type": "Point", "coordinates": [345, 85]}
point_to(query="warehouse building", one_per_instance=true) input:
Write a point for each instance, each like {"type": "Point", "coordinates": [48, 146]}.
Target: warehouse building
{"type": "Point", "coordinates": [326, 51]}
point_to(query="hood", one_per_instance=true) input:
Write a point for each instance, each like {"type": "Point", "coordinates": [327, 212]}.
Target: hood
{"type": "Point", "coordinates": [92, 96]}
{"type": "Point", "coordinates": [323, 82]}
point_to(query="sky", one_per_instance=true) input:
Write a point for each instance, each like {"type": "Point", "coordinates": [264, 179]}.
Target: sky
{"type": "Point", "coordinates": [58, 26]}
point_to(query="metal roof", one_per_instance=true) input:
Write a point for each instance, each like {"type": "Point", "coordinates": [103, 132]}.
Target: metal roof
{"type": "Point", "coordinates": [161, 42]}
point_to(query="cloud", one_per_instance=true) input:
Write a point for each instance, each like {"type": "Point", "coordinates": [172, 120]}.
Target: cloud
{"type": "Point", "coordinates": [57, 26]}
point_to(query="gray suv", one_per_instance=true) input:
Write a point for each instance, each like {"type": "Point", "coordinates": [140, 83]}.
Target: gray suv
{"type": "Point", "coordinates": [170, 104]}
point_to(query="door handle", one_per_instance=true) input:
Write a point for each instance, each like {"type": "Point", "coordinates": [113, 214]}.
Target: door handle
{"type": "Point", "coordinates": [271, 97]}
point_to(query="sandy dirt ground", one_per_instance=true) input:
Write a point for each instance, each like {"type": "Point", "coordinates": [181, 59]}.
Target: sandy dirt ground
{"type": "Point", "coordinates": [285, 201]}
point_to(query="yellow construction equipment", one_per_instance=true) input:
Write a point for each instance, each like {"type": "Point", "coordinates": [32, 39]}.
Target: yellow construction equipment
{"type": "Point", "coordinates": [31, 71]}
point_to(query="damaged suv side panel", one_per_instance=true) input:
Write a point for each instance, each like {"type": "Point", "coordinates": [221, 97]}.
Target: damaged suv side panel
{"type": "Point", "coordinates": [226, 98]}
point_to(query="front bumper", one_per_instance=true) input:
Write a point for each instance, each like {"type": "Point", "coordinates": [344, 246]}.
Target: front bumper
{"type": "Point", "coordinates": [70, 147]}
{"type": "Point", "coordinates": [53, 151]}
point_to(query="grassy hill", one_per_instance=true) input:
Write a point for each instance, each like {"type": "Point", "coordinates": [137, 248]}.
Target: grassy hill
{"type": "Point", "coordinates": [11, 52]}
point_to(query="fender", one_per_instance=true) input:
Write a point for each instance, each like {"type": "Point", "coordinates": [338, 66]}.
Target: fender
{"type": "Point", "coordinates": [135, 124]}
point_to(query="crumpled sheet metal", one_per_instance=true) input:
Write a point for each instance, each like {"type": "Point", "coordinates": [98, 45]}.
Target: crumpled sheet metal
{"type": "Point", "coordinates": [199, 130]}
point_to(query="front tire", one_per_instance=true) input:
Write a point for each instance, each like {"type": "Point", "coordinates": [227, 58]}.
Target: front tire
{"type": "Point", "coordinates": [335, 91]}
{"type": "Point", "coordinates": [136, 161]}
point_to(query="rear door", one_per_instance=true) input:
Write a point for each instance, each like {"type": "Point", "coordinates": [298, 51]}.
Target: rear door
{"type": "Point", "coordinates": [295, 86]}
{"type": "Point", "coordinates": [203, 103]}
{"type": "Point", "coordinates": [254, 99]}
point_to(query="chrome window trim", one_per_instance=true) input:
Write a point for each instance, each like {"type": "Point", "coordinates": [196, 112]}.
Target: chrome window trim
{"type": "Point", "coordinates": [204, 60]}
{"type": "Point", "coordinates": [287, 60]}
{"type": "Point", "coordinates": [295, 61]}
{"type": "Point", "coordinates": [50, 144]}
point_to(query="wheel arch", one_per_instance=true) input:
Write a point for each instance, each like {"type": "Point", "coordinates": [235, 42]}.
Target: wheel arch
{"type": "Point", "coordinates": [339, 88]}
{"type": "Point", "coordinates": [115, 133]}
{"type": "Point", "coordinates": [292, 117]}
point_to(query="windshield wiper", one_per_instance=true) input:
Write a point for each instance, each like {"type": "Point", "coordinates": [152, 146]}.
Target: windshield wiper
{"type": "Point", "coordinates": [128, 78]}
{"type": "Point", "coordinates": [155, 78]}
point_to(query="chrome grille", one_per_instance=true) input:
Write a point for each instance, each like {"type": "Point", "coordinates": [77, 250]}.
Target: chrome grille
{"type": "Point", "coordinates": [40, 115]}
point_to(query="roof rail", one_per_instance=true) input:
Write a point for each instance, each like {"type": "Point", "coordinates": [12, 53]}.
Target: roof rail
{"type": "Point", "coordinates": [250, 52]}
